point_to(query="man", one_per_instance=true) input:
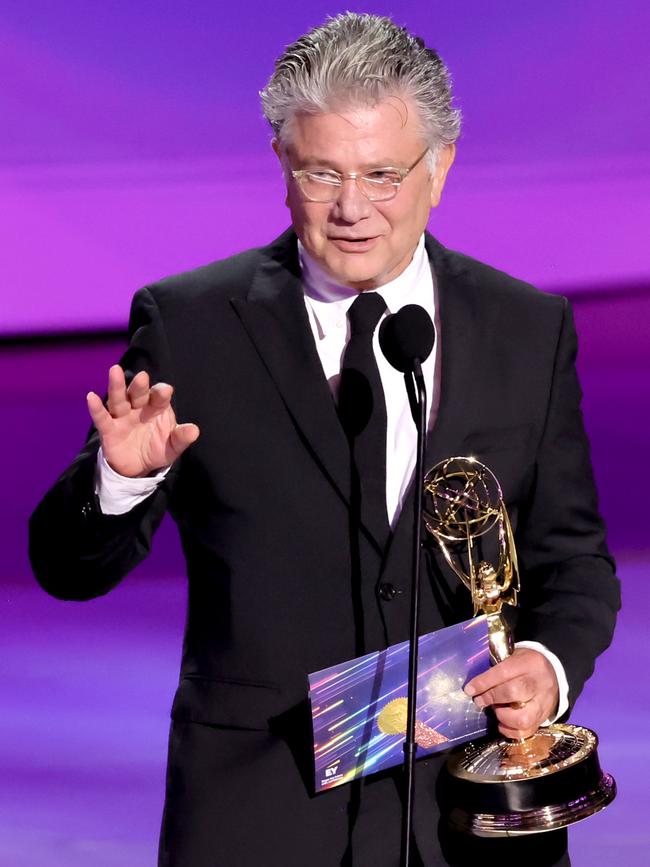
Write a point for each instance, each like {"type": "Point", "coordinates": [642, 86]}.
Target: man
{"type": "Point", "coordinates": [296, 530]}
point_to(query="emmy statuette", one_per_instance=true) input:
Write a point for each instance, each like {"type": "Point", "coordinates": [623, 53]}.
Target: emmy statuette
{"type": "Point", "coordinates": [500, 787]}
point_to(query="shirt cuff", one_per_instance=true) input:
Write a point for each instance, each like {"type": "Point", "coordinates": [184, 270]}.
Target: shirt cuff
{"type": "Point", "coordinates": [562, 682]}
{"type": "Point", "coordinates": [118, 494]}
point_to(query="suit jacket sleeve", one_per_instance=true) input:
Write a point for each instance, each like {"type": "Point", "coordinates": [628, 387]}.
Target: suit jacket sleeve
{"type": "Point", "coordinates": [77, 552]}
{"type": "Point", "coordinates": [570, 594]}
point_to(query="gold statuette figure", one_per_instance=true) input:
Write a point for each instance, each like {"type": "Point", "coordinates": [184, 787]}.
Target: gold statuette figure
{"type": "Point", "coordinates": [499, 787]}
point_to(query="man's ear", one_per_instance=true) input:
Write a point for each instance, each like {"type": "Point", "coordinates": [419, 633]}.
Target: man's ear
{"type": "Point", "coordinates": [443, 164]}
{"type": "Point", "coordinates": [277, 149]}
{"type": "Point", "coordinates": [281, 154]}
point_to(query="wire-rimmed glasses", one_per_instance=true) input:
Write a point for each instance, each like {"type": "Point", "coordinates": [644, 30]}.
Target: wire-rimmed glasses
{"type": "Point", "coordinates": [377, 185]}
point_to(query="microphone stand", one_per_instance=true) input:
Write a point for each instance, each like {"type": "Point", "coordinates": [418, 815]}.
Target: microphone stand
{"type": "Point", "coordinates": [418, 403]}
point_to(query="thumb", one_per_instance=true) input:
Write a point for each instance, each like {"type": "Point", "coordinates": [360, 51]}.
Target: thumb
{"type": "Point", "coordinates": [183, 436]}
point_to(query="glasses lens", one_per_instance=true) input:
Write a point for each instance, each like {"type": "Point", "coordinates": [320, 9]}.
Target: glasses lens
{"type": "Point", "coordinates": [324, 186]}
{"type": "Point", "coordinates": [320, 186]}
{"type": "Point", "coordinates": [380, 185]}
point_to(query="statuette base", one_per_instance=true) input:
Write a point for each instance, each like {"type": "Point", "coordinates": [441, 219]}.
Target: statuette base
{"type": "Point", "coordinates": [510, 788]}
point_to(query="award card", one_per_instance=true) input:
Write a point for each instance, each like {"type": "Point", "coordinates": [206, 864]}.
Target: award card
{"type": "Point", "coordinates": [359, 707]}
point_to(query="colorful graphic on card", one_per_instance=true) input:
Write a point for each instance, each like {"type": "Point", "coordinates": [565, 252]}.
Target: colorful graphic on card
{"type": "Point", "coordinates": [359, 707]}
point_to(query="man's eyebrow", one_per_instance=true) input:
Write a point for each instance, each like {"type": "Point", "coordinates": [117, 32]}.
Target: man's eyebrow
{"type": "Point", "coordinates": [316, 161]}
{"type": "Point", "coordinates": [327, 164]}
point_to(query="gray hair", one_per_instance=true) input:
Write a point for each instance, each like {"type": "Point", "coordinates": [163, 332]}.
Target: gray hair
{"type": "Point", "coordinates": [359, 60]}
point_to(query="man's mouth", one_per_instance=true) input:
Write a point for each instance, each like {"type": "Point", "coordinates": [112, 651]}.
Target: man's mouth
{"type": "Point", "coordinates": [360, 245]}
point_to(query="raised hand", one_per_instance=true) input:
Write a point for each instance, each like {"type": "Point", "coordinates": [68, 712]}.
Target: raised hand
{"type": "Point", "coordinates": [138, 430]}
{"type": "Point", "coordinates": [522, 691]}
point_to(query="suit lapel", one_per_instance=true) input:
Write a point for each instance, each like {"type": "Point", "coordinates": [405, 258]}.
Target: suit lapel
{"type": "Point", "coordinates": [275, 317]}
{"type": "Point", "coordinates": [459, 335]}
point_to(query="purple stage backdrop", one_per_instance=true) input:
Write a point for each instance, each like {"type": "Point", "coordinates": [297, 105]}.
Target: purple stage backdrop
{"type": "Point", "coordinates": [133, 145]}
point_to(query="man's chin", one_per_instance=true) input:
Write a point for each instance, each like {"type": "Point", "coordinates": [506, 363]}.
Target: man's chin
{"type": "Point", "coordinates": [357, 274]}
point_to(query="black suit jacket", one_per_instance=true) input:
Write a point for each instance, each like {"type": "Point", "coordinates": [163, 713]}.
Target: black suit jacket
{"type": "Point", "coordinates": [280, 582]}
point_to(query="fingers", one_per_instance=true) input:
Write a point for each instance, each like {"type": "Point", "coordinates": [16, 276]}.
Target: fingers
{"type": "Point", "coordinates": [519, 689]}
{"type": "Point", "coordinates": [138, 391]}
{"type": "Point", "coordinates": [522, 690]}
{"type": "Point", "coordinates": [138, 395]}
{"type": "Point", "coordinates": [100, 416]}
{"type": "Point", "coordinates": [519, 722]}
{"type": "Point", "coordinates": [518, 665]}
{"type": "Point", "coordinates": [118, 402]}
{"type": "Point", "coordinates": [160, 396]}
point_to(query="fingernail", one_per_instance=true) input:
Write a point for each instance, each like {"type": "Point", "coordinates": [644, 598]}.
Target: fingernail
{"type": "Point", "coordinates": [469, 690]}
{"type": "Point", "coordinates": [480, 703]}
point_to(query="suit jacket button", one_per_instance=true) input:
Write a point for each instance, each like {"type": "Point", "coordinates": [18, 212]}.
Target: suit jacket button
{"type": "Point", "coordinates": [388, 591]}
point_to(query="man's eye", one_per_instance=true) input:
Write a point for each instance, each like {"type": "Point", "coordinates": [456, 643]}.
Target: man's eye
{"type": "Point", "coordinates": [382, 176]}
{"type": "Point", "coordinates": [324, 178]}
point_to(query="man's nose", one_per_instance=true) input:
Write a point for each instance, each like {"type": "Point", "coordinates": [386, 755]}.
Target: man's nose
{"type": "Point", "coordinates": [351, 205]}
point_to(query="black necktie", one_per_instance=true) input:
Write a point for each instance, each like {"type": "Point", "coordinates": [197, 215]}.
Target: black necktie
{"type": "Point", "coordinates": [362, 410]}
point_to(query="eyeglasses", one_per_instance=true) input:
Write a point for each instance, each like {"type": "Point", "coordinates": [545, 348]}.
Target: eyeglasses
{"type": "Point", "coordinates": [378, 185]}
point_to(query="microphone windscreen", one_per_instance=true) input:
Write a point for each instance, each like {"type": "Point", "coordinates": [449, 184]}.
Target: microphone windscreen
{"type": "Point", "coordinates": [407, 336]}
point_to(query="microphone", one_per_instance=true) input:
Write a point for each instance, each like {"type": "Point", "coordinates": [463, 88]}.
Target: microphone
{"type": "Point", "coordinates": [407, 337]}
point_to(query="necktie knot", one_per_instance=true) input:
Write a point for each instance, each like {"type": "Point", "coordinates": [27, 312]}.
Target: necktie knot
{"type": "Point", "coordinates": [365, 313]}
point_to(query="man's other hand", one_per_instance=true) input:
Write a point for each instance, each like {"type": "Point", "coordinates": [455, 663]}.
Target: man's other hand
{"type": "Point", "coordinates": [137, 428]}
{"type": "Point", "coordinates": [522, 691]}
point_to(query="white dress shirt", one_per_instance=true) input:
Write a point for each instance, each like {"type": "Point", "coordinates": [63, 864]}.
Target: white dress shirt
{"type": "Point", "coordinates": [327, 304]}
